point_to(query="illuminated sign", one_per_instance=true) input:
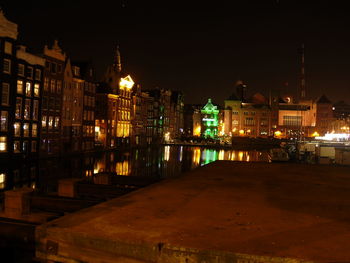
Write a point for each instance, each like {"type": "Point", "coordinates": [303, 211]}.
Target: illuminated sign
{"type": "Point", "coordinates": [208, 119]}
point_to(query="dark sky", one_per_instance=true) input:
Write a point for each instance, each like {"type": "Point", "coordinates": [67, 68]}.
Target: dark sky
{"type": "Point", "coordinates": [201, 48]}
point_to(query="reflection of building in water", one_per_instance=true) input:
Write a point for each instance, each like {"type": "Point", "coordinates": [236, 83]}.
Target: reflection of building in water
{"type": "Point", "coordinates": [166, 153]}
{"type": "Point", "coordinates": [196, 157]}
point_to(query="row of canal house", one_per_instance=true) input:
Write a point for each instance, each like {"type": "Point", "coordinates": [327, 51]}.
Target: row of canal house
{"type": "Point", "coordinates": [51, 105]}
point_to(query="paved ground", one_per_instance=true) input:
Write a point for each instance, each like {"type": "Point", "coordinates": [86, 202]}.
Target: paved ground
{"type": "Point", "coordinates": [218, 213]}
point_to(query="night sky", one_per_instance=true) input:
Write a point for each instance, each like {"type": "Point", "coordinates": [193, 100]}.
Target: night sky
{"type": "Point", "coordinates": [201, 48]}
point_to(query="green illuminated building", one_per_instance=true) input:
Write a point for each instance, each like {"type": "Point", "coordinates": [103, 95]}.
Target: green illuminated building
{"type": "Point", "coordinates": [210, 120]}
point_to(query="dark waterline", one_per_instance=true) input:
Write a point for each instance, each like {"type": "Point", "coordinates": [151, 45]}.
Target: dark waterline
{"type": "Point", "coordinates": [158, 162]}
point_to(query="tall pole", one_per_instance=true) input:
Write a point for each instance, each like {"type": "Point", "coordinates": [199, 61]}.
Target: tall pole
{"type": "Point", "coordinates": [302, 83]}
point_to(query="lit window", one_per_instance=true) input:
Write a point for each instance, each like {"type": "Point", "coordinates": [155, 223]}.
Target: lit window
{"type": "Point", "coordinates": [57, 121]}
{"type": "Point", "coordinates": [43, 121]}
{"type": "Point", "coordinates": [27, 109]}
{"type": "Point", "coordinates": [36, 89]}
{"type": "Point", "coordinates": [18, 112]}
{"type": "Point", "coordinates": [34, 130]}
{"type": "Point", "coordinates": [21, 70]}
{"type": "Point", "coordinates": [28, 89]}
{"type": "Point", "coordinates": [5, 97]}
{"type": "Point", "coordinates": [20, 86]}
{"type": "Point", "coordinates": [76, 71]}
{"type": "Point", "coordinates": [16, 146]}
{"type": "Point", "coordinates": [30, 72]}
{"type": "Point", "coordinates": [37, 74]}
{"type": "Point", "coordinates": [50, 122]}
{"type": "Point", "coordinates": [3, 121]}
{"type": "Point", "coordinates": [17, 129]}
{"type": "Point", "coordinates": [7, 66]}
{"type": "Point", "coordinates": [2, 180]}
{"type": "Point", "coordinates": [35, 109]}
{"type": "Point", "coordinates": [8, 47]}
{"type": "Point", "coordinates": [3, 143]}
{"type": "Point", "coordinates": [26, 129]}
{"type": "Point", "coordinates": [25, 146]}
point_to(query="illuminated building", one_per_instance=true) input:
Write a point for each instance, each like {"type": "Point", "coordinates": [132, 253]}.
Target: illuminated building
{"type": "Point", "coordinates": [244, 117]}
{"type": "Point", "coordinates": [210, 120]}
{"type": "Point", "coordinates": [52, 100]}
{"type": "Point", "coordinates": [113, 106]}
{"type": "Point", "coordinates": [21, 79]}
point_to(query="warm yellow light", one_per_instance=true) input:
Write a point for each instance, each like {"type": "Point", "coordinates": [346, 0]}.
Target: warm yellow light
{"type": "Point", "coordinates": [126, 83]}
{"type": "Point", "coordinates": [234, 129]}
{"type": "Point", "coordinates": [278, 133]}
{"type": "Point", "coordinates": [315, 134]}
{"type": "Point", "coordinates": [241, 132]}
{"type": "Point", "coordinates": [97, 129]}
{"type": "Point", "coordinates": [248, 131]}
{"type": "Point", "coordinates": [197, 131]}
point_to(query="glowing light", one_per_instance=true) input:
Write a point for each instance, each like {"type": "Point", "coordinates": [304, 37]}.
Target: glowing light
{"type": "Point", "coordinates": [167, 153]}
{"type": "Point", "coordinates": [334, 137]}
{"type": "Point", "coordinates": [97, 128]}
{"type": "Point", "coordinates": [222, 155]}
{"type": "Point", "coordinates": [234, 129]}
{"type": "Point", "coordinates": [240, 155]}
{"type": "Point", "coordinates": [196, 156]}
{"type": "Point", "coordinates": [167, 136]}
{"type": "Point", "coordinates": [126, 83]}
{"type": "Point", "coordinates": [278, 133]}
{"type": "Point", "coordinates": [241, 132]}
{"type": "Point", "coordinates": [2, 181]}
{"type": "Point", "coordinates": [197, 131]}
{"type": "Point", "coordinates": [315, 134]}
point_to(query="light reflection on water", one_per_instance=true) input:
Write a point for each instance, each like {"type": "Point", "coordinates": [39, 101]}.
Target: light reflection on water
{"type": "Point", "coordinates": [160, 162]}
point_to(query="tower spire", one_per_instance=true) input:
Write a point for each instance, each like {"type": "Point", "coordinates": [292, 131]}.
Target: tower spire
{"type": "Point", "coordinates": [302, 83]}
{"type": "Point", "coordinates": [117, 64]}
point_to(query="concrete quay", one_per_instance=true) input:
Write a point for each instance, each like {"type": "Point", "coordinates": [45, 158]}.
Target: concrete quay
{"type": "Point", "coordinates": [223, 212]}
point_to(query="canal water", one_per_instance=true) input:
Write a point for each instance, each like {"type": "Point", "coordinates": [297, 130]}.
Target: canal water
{"type": "Point", "coordinates": [158, 162]}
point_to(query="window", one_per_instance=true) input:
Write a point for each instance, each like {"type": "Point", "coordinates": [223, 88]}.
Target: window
{"type": "Point", "coordinates": [50, 122]}
{"type": "Point", "coordinates": [34, 146]}
{"type": "Point", "coordinates": [292, 120]}
{"type": "Point", "coordinates": [20, 86]}
{"type": "Point", "coordinates": [17, 129]}
{"type": "Point", "coordinates": [17, 146]}
{"type": "Point", "coordinates": [249, 121]}
{"type": "Point", "coordinates": [34, 130]}
{"type": "Point", "coordinates": [8, 47]}
{"type": "Point", "coordinates": [21, 70]}
{"type": "Point", "coordinates": [3, 144]}
{"type": "Point", "coordinates": [252, 113]}
{"type": "Point", "coordinates": [235, 113]}
{"type": "Point", "coordinates": [5, 94]}
{"type": "Point", "coordinates": [59, 68]}
{"type": "Point", "coordinates": [44, 103]}
{"type": "Point", "coordinates": [53, 68]}
{"type": "Point", "coordinates": [46, 84]}
{"type": "Point", "coordinates": [36, 89]}
{"type": "Point", "coordinates": [246, 113]}
{"type": "Point", "coordinates": [18, 112]}
{"type": "Point", "coordinates": [7, 66]}
{"type": "Point", "coordinates": [35, 109]}
{"type": "Point", "coordinates": [76, 71]}
{"type": "Point", "coordinates": [43, 121]}
{"type": "Point", "coordinates": [59, 86]}
{"type": "Point", "coordinates": [53, 85]}
{"type": "Point", "coordinates": [25, 146]}
{"type": "Point", "coordinates": [37, 74]}
{"type": "Point", "coordinates": [27, 109]}
{"type": "Point", "coordinates": [57, 120]}
{"type": "Point", "coordinates": [30, 72]}
{"type": "Point", "coordinates": [3, 120]}
{"type": "Point", "coordinates": [28, 89]}
{"type": "Point", "coordinates": [47, 65]}
{"type": "Point", "coordinates": [2, 180]}
{"type": "Point", "coordinates": [26, 129]}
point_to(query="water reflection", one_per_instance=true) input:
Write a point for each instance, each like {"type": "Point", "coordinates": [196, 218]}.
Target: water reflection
{"type": "Point", "coordinates": [160, 162]}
